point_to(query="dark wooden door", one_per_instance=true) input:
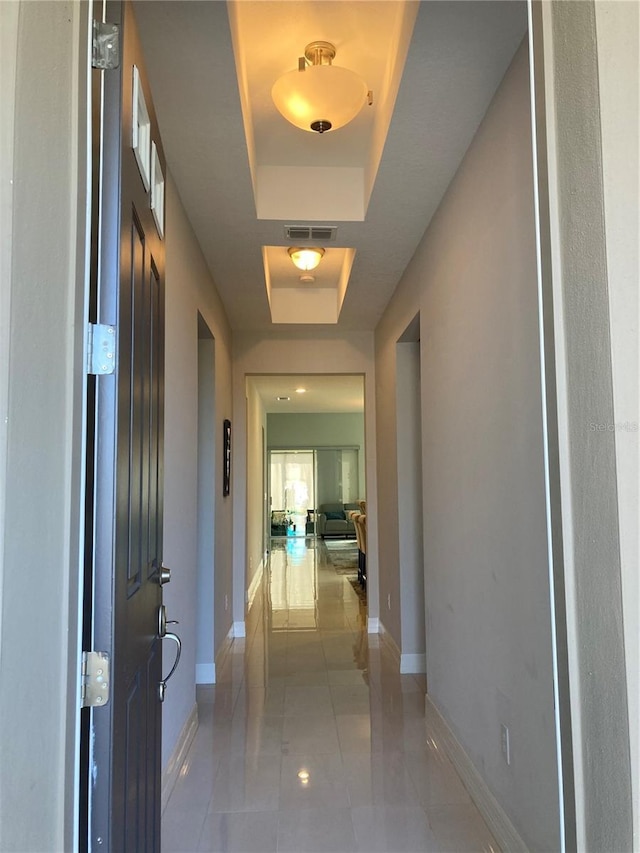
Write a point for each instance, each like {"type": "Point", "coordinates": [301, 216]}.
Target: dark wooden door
{"type": "Point", "coordinates": [126, 439]}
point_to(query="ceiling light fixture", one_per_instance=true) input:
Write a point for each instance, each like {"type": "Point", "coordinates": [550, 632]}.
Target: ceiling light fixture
{"type": "Point", "coordinates": [306, 259]}
{"type": "Point", "coordinates": [320, 96]}
{"type": "Point", "coordinates": [301, 390]}
{"type": "Point", "coordinates": [304, 776]}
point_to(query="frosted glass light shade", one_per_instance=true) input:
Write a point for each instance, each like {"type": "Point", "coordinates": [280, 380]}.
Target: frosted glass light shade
{"type": "Point", "coordinates": [320, 94]}
{"type": "Point", "coordinates": [306, 259]}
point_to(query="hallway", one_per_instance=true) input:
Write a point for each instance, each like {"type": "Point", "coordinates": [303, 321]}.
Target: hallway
{"type": "Point", "coordinates": [311, 740]}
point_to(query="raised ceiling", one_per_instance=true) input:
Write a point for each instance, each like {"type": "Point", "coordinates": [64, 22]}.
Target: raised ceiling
{"type": "Point", "coordinates": [337, 170]}
{"type": "Point", "coordinates": [221, 134]}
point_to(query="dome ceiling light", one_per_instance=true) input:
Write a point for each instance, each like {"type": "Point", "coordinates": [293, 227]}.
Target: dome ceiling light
{"type": "Point", "coordinates": [320, 96]}
{"type": "Point", "coordinates": [306, 259]}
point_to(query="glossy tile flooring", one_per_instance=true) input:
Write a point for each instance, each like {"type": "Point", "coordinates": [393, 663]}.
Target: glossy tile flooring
{"type": "Point", "coordinates": [311, 740]}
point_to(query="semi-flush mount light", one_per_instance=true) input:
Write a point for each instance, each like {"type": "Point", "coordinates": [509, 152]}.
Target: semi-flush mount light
{"type": "Point", "coordinates": [306, 259]}
{"type": "Point", "coordinates": [320, 96]}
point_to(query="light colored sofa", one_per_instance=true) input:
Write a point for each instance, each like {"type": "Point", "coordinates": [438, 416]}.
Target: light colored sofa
{"type": "Point", "coordinates": [334, 519]}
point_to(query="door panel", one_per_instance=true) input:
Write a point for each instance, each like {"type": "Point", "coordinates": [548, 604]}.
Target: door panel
{"type": "Point", "coordinates": [125, 736]}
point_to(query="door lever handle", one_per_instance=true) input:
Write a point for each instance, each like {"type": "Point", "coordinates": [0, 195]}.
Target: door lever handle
{"type": "Point", "coordinates": [162, 686]}
{"type": "Point", "coordinates": [163, 634]}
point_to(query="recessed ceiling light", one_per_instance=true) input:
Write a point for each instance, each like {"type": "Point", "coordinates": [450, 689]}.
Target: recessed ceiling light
{"type": "Point", "coordinates": [283, 399]}
{"type": "Point", "coordinates": [301, 390]}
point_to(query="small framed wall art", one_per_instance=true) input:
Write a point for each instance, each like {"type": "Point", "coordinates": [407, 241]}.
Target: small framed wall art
{"type": "Point", "coordinates": [141, 131]}
{"type": "Point", "coordinates": [157, 190]}
{"type": "Point", "coordinates": [226, 460]}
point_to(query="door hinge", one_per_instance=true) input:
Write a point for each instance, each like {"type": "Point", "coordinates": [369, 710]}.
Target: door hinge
{"type": "Point", "coordinates": [95, 679]}
{"type": "Point", "coordinates": [101, 346]}
{"type": "Point", "coordinates": [105, 48]}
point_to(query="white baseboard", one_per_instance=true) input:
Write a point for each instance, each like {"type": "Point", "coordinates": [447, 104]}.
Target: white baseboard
{"type": "Point", "coordinates": [225, 647]}
{"type": "Point", "coordinates": [223, 651]}
{"type": "Point", "coordinates": [205, 673]}
{"type": "Point", "coordinates": [255, 584]}
{"type": "Point", "coordinates": [172, 770]}
{"type": "Point", "coordinates": [494, 815]}
{"type": "Point", "coordinates": [415, 663]}
{"type": "Point", "coordinates": [239, 630]}
{"type": "Point", "coordinates": [390, 643]}
{"type": "Point", "coordinates": [373, 625]}
{"type": "Point", "coordinates": [410, 664]}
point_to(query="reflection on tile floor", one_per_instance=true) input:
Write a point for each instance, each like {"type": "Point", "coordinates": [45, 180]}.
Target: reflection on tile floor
{"type": "Point", "coordinates": [311, 740]}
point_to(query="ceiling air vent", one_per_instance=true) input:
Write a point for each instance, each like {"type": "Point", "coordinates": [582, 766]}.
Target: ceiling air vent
{"type": "Point", "coordinates": [322, 233]}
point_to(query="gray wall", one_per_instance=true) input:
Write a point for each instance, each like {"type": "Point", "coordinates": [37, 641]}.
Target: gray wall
{"type": "Point", "coordinates": [42, 325]}
{"type": "Point", "coordinates": [488, 634]}
{"type": "Point", "coordinates": [321, 429]}
{"type": "Point", "coordinates": [190, 291]}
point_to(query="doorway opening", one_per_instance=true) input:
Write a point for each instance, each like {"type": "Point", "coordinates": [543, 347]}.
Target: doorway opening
{"type": "Point", "coordinates": [205, 657]}
{"type": "Point", "coordinates": [410, 521]}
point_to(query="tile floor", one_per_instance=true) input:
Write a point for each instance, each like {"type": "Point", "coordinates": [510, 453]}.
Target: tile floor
{"type": "Point", "coordinates": [311, 740]}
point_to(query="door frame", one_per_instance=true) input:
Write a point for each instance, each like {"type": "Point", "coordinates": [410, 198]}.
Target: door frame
{"type": "Point", "coordinates": [43, 307]}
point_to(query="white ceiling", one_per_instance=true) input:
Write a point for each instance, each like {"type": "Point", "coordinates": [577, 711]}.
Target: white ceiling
{"type": "Point", "coordinates": [323, 393]}
{"type": "Point", "coordinates": [458, 54]}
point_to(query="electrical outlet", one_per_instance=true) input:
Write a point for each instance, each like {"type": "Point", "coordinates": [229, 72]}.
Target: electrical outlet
{"type": "Point", "coordinates": [505, 746]}
{"type": "Point", "coordinates": [389, 601]}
